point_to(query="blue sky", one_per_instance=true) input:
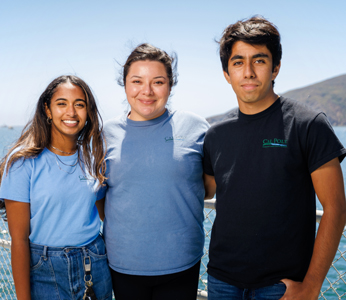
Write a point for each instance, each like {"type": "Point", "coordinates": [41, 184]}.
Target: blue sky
{"type": "Point", "coordinates": [40, 40]}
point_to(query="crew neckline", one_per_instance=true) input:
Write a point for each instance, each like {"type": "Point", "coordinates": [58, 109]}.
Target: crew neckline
{"type": "Point", "coordinates": [263, 113]}
{"type": "Point", "coordinates": [151, 122]}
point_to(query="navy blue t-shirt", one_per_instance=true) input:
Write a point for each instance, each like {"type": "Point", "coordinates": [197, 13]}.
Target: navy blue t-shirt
{"type": "Point", "coordinates": [265, 222]}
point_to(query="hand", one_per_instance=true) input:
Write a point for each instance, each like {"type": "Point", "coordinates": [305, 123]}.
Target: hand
{"type": "Point", "coordinates": [299, 291]}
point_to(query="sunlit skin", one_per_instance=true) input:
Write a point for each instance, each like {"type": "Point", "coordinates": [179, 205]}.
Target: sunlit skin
{"type": "Point", "coordinates": [68, 111]}
{"type": "Point", "coordinates": [250, 72]}
{"type": "Point", "coordinates": [147, 89]}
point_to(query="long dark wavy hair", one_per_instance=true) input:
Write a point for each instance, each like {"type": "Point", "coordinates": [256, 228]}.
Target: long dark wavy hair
{"type": "Point", "coordinates": [36, 134]}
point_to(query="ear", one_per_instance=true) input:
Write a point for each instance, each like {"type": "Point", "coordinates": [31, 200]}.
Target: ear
{"type": "Point", "coordinates": [48, 112]}
{"type": "Point", "coordinates": [276, 71]}
{"type": "Point", "coordinates": [227, 77]}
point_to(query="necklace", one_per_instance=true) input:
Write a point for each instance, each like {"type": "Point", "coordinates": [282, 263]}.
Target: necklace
{"type": "Point", "coordinates": [74, 166]}
{"type": "Point", "coordinates": [63, 151]}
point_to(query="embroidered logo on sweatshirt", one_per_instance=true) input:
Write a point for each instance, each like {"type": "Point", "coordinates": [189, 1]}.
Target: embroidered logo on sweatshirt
{"type": "Point", "coordinates": [272, 143]}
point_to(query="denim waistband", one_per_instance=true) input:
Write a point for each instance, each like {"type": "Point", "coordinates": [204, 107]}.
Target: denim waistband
{"type": "Point", "coordinates": [47, 250]}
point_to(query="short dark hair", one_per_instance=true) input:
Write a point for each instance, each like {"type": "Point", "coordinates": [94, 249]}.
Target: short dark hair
{"type": "Point", "coordinates": [254, 31]}
{"type": "Point", "coordinates": [148, 52]}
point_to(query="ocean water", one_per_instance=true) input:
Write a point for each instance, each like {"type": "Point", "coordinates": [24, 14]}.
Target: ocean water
{"type": "Point", "coordinates": [9, 135]}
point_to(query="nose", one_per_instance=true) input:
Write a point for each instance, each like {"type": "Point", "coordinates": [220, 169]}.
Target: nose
{"type": "Point", "coordinates": [147, 89]}
{"type": "Point", "coordinates": [249, 71]}
{"type": "Point", "coordinates": [71, 110]}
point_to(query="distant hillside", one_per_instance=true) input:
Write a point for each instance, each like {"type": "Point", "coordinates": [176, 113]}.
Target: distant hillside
{"type": "Point", "coordinates": [328, 96]}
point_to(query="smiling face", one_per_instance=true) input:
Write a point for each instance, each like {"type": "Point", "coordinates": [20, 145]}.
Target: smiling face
{"type": "Point", "coordinates": [147, 89]}
{"type": "Point", "coordinates": [68, 111]}
{"type": "Point", "coordinates": [250, 72]}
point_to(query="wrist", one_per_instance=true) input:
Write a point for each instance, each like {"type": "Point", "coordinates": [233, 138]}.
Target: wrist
{"type": "Point", "coordinates": [312, 285]}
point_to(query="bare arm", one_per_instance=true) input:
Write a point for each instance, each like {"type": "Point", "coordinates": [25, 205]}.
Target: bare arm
{"type": "Point", "coordinates": [209, 186]}
{"type": "Point", "coordinates": [100, 204]}
{"type": "Point", "coordinates": [18, 215]}
{"type": "Point", "coordinates": [329, 187]}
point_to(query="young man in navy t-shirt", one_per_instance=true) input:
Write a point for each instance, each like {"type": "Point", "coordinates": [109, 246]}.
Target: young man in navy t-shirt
{"type": "Point", "coordinates": [266, 162]}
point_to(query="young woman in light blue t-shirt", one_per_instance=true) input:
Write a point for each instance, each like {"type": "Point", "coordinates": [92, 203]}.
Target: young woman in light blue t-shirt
{"type": "Point", "coordinates": [49, 183]}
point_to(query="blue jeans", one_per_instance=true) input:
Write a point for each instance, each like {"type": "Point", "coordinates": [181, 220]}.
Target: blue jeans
{"type": "Point", "coordinates": [219, 290]}
{"type": "Point", "coordinates": [58, 273]}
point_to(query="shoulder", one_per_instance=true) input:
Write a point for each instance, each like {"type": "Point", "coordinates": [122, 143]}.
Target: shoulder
{"type": "Point", "coordinates": [189, 119]}
{"type": "Point", "coordinates": [22, 164]}
{"type": "Point", "coordinates": [184, 115]}
{"type": "Point", "coordinates": [20, 160]}
{"type": "Point", "coordinates": [298, 109]}
{"type": "Point", "coordinates": [112, 127]}
{"type": "Point", "coordinates": [110, 124]}
{"type": "Point", "coordinates": [229, 120]}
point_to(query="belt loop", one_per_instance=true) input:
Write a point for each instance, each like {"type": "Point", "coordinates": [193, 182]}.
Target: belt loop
{"type": "Point", "coordinates": [45, 249]}
{"type": "Point", "coordinates": [85, 252]}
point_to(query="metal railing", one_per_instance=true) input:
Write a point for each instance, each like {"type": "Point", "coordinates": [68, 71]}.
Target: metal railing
{"type": "Point", "coordinates": [334, 286]}
{"type": "Point", "coordinates": [7, 291]}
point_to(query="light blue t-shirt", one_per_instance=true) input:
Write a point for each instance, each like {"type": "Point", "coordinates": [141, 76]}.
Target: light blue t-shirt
{"type": "Point", "coordinates": [62, 206]}
{"type": "Point", "coordinates": [154, 201]}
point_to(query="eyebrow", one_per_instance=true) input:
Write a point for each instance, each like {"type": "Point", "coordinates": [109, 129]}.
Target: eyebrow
{"type": "Point", "coordinates": [59, 99]}
{"type": "Point", "coordinates": [137, 76]}
{"type": "Point", "coordinates": [235, 57]}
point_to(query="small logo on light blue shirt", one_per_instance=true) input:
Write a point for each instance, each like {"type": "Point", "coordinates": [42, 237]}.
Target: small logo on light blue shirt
{"type": "Point", "coordinates": [85, 178]}
{"type": "Point", "coordinates": [174, 138]}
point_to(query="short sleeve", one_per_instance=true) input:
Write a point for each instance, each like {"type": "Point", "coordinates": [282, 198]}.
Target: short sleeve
{"type": "Point", "coordinates": [15, 184]}
{"type": "Point", "coordinates": [207, 165]}
{"type": "Point", "coordinates": [322, 143]}
{"type": "Point", "coordinates": [203, 127]}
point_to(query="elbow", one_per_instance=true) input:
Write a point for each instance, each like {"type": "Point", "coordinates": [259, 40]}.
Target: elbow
{"type": "Point", "coordinates": [19, 242]}
{"type": "Point", "coordinates": [209, 192]}
{"type": "Point", "coordinates": [340, 213]}
{"type": "Point", "coordinates": [19, 237]}
{"type": "Point", "coordinates": [342, 210]}
{"type": "Point", "coordinates": [343, 213]}
{"type": "Point", "coordinates": [208, 196]}
{"type": "Point", "coordinates": [101, 215]}
{"type": "Point", "coordinates": [335, 213]}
